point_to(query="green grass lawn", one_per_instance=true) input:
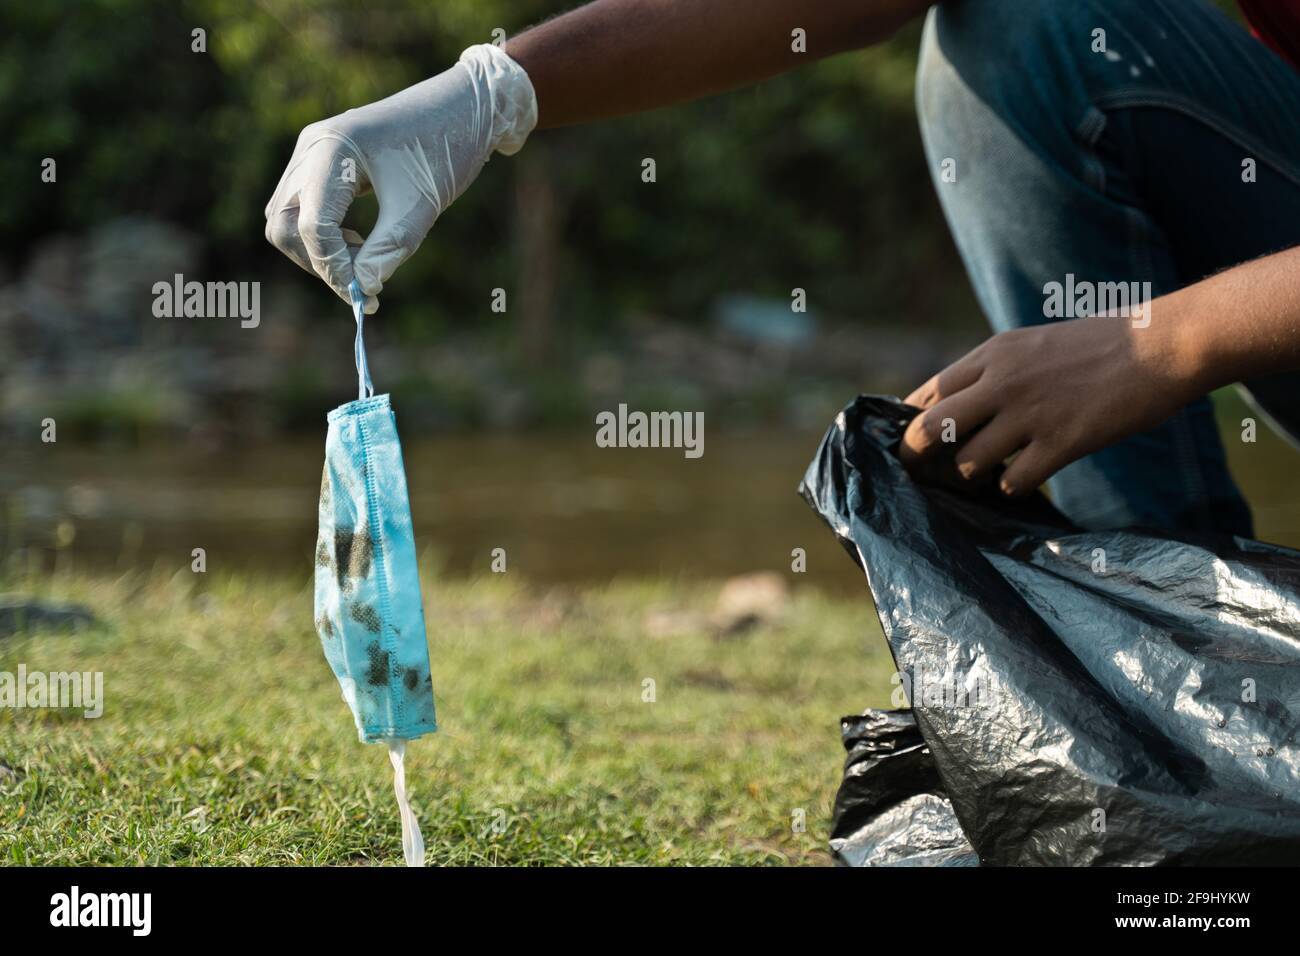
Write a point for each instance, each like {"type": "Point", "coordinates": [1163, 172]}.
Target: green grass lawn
{"type": "Point", "coordinates": [225, 740]}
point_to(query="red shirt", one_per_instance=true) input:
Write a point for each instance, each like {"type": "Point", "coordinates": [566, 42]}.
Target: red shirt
{"type": "Point", "coordinates": [1277, 23]}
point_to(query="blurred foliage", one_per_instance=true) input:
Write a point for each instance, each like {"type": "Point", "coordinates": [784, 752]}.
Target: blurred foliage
{"type": "Point", "coordinates": [814, 179]}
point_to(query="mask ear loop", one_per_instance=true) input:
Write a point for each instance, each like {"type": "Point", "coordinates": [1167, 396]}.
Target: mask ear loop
{"type": "Point", "coordinates": [412, 840]}
{"type": "Point", "coordinates": [364, 387]}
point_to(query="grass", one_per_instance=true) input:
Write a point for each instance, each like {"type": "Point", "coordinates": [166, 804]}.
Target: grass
{"type": "Point", "coordinates": [224, 739]}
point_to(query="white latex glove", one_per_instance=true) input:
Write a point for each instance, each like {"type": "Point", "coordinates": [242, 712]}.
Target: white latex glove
{"type": "Point", "coordinates": [419, 149]}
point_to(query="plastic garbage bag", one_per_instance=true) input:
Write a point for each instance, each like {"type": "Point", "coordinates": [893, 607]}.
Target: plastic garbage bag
{"type": "Point", "coordinates": [1114, 697]}
{"type": "Point", "coordinates": [891, 809]}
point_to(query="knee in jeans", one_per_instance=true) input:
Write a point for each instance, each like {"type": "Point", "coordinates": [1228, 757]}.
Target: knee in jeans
{"type": "Point", "coordinates": [997, 51]}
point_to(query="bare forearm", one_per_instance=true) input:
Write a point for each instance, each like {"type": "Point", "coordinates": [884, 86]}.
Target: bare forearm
{"type": "Point", "coordinates": [1237, 325]}
{"type": "Point", "coordinates": [615, 57]}
{"type": "Point", "coordinates": [1050, 394]}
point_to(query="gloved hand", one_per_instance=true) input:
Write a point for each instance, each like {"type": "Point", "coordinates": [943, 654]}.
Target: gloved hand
{"type": "Point", "coordinates": [419, 149]}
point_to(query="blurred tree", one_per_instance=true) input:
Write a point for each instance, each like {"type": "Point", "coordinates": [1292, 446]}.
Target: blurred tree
{"type": "Point", "coordinates": [815, 179]}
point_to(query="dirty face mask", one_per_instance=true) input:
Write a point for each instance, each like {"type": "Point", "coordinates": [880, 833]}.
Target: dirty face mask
{"type": "Point", "coordinates": [369, 613]}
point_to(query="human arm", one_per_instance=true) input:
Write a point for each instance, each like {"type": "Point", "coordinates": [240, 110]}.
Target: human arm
{"type": "Point", "coordinates": [419, 149]}
{"type": "Point", "coordinates": [1050, 394]}
{"type": "Point", "coordinates": [616, 57]}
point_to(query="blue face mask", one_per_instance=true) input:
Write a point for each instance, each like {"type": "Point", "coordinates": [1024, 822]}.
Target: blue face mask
{"type": "Point", "coordinates": [369, 613]}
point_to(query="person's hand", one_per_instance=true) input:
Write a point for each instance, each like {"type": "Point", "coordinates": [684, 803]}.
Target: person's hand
{"type": "Point", "coordinates": [418, 150]}
{"type": "Point", "coordinates": [1047, 394]}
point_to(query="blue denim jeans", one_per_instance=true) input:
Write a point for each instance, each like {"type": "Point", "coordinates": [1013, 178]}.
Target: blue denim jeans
{"type": "Point", "coordinates": [1117, 166]}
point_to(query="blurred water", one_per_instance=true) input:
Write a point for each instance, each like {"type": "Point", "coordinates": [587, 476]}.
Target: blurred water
{"type": "Point", "coordinates": [564, 510]}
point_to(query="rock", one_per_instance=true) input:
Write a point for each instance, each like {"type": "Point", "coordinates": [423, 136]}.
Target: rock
{"type": "Point", "coordinates": [20, 614]}
{"type": "Point", "coordinates": [750, 601]}
{"type": "Point", "coordinates": [765, 321]}
{"type": "Point", "coordinates": [123, 258]}
{"type": "Point", "coordinates": [556, 607]}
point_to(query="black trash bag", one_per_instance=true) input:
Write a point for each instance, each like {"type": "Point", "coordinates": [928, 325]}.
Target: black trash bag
{"type": "Point", "coordinates": [1086, 698]}
{"type": "Point", "coordinates": [891, 809]}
